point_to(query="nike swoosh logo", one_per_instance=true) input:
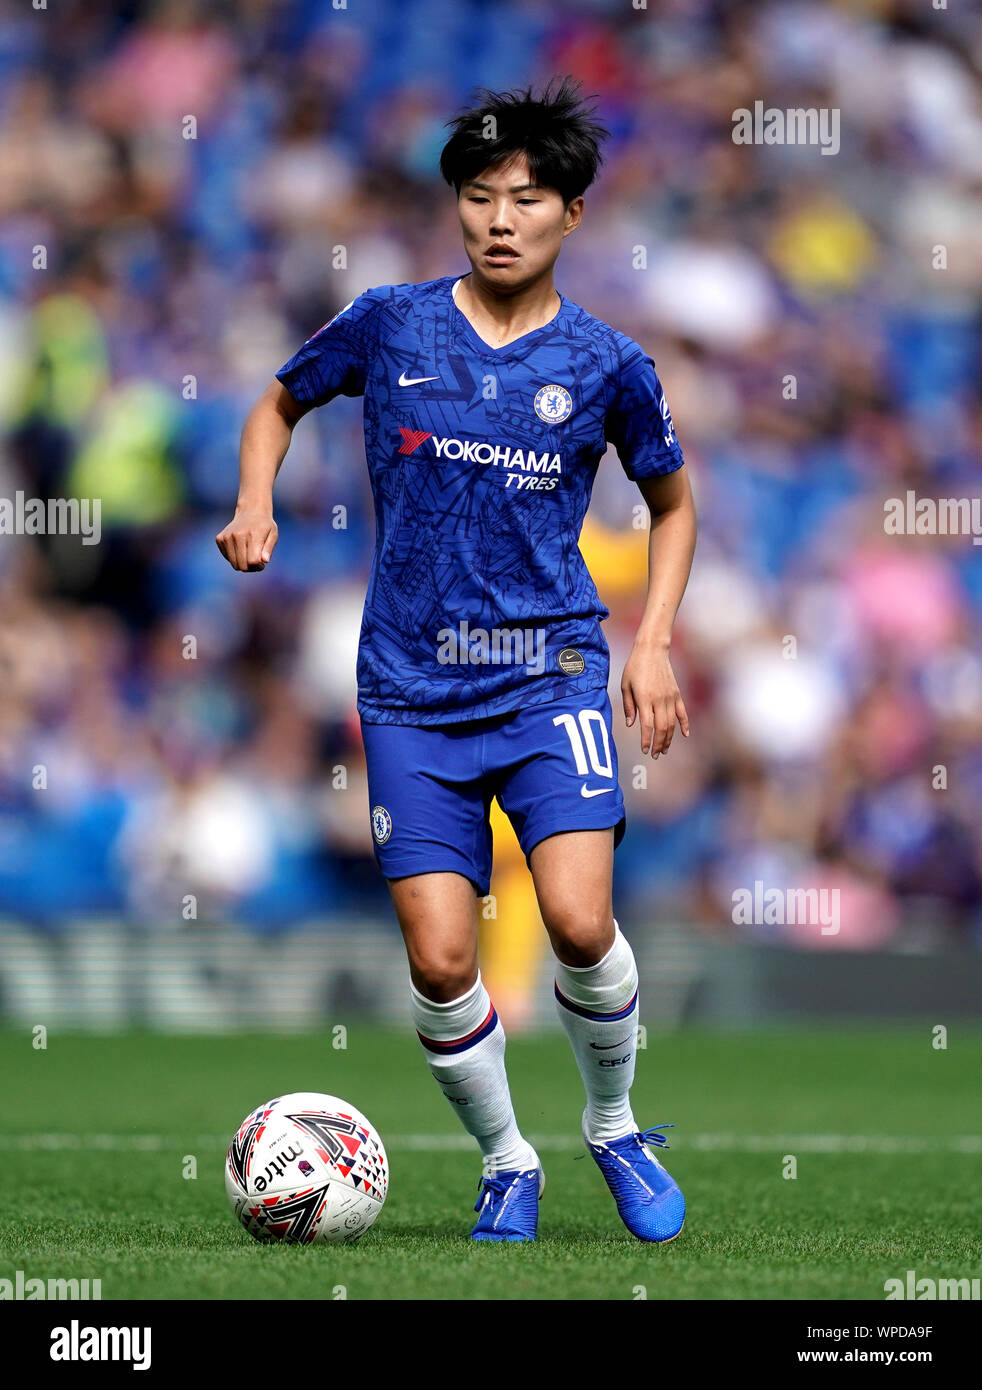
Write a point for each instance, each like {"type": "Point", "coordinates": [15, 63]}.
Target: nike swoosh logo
{"type": "Point", "coordinates": [585, 791]}
{"type": "Point", "coordinates": [415, 380]}
{"type": "Point", "coordinates": [610, 1047]}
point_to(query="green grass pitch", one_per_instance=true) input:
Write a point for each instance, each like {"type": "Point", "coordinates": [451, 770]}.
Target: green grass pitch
{"type": "Point", "coordinates": [884, 1128]}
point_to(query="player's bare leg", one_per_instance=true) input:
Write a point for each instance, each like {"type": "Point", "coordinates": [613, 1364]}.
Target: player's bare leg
{"type": "Point", "coordinates": [464, 1044]}
{"type": "Point", "coordinates": [438, 917]}
{"type": "Point", "coordinates": [573, 874]}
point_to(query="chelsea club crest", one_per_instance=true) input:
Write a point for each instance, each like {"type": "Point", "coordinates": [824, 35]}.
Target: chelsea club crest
{"type": "Point", "coordinates": [381, 824]}
{"type": "Point", "coordinates": [553, 404]}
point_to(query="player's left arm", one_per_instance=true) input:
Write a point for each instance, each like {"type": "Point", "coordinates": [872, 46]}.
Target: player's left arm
{"type": "Point", "coordinates": [648, 686]}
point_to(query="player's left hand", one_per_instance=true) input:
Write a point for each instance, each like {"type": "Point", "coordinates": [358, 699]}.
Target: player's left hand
{"type": "Point", "coordinates": [649, 690]}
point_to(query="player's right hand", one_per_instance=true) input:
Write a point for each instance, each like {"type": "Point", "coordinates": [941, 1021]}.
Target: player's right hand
{"type": "Point", "coordinates": [249, 539]}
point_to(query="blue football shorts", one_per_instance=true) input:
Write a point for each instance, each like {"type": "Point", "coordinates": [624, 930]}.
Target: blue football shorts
{"type": "Point", "coordinates": [553, 768]}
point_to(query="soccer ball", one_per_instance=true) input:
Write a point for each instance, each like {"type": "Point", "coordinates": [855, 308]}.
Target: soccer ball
{"type": "Point", "coordinates": [306, 1167]}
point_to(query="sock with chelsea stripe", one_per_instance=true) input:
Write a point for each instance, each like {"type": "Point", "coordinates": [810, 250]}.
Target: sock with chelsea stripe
{"type": "Point", "coordinates": [598, 1007]}
{"type": "Point", "coordinates": [464, 1045]}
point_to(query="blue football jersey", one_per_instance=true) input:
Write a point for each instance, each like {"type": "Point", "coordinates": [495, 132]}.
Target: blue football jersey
{"type": "Point", "coordinates": [482, 462]}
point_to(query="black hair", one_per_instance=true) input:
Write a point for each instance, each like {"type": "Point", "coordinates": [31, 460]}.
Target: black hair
{"type": "Point", "coordinates": [555, 131]}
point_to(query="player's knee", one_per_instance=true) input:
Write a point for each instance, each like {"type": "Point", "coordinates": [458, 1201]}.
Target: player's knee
{"type": "Point", "coordinates": [580, 936]}
{"type": "Point", "coordinates": [442, 979]}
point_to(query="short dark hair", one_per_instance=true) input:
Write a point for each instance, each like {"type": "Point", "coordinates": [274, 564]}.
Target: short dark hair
{"type": "Point", "coordinates": [555, 131]}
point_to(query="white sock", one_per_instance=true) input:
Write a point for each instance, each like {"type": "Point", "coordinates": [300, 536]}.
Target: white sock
{"type": "Point", "coordinates": [465, 1050]}
{"type": "Point", "coordinates": [598, 1007]}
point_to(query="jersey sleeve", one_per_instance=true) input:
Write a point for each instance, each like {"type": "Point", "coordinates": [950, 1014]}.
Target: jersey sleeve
{"type": "Point", "coordinates": [337, 359]}
{"type": "Point", "coordinates": [639, 422]}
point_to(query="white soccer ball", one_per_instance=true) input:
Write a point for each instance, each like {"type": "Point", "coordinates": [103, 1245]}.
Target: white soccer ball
{"type": "Point", "coordinates": [306, 1167]}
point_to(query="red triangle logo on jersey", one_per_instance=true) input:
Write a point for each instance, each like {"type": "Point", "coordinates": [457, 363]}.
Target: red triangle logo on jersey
{"type": "Point", "coordinates": [412, 439]}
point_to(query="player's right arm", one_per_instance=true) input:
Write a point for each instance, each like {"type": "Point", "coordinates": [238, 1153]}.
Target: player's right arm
{"type": "Point", "coordinates": [247, 542]}
{"type": "Point", "coordinates": [334, 362]}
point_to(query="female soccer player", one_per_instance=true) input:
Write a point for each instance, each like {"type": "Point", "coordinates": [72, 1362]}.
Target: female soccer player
{"type": "Point", "coordinates": [490, 400]}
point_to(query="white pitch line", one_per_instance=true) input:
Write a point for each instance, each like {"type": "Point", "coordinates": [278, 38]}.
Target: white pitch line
{"type": "Point", "coordinates": [555, 1143]}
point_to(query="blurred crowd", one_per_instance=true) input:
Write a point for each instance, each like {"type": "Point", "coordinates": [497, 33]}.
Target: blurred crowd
{"type": "Point", "coordinates": [188, 191]}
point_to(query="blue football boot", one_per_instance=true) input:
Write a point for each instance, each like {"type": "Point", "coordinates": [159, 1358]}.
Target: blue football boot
{"type": "Point", "coordinates": [648, 1199]}
{"type": "Point", "coordinates": [509, 1205]}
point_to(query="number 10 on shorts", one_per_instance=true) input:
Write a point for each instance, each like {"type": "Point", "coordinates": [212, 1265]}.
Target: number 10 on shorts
{"type": "Point", "coordinates": [583, 741]}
